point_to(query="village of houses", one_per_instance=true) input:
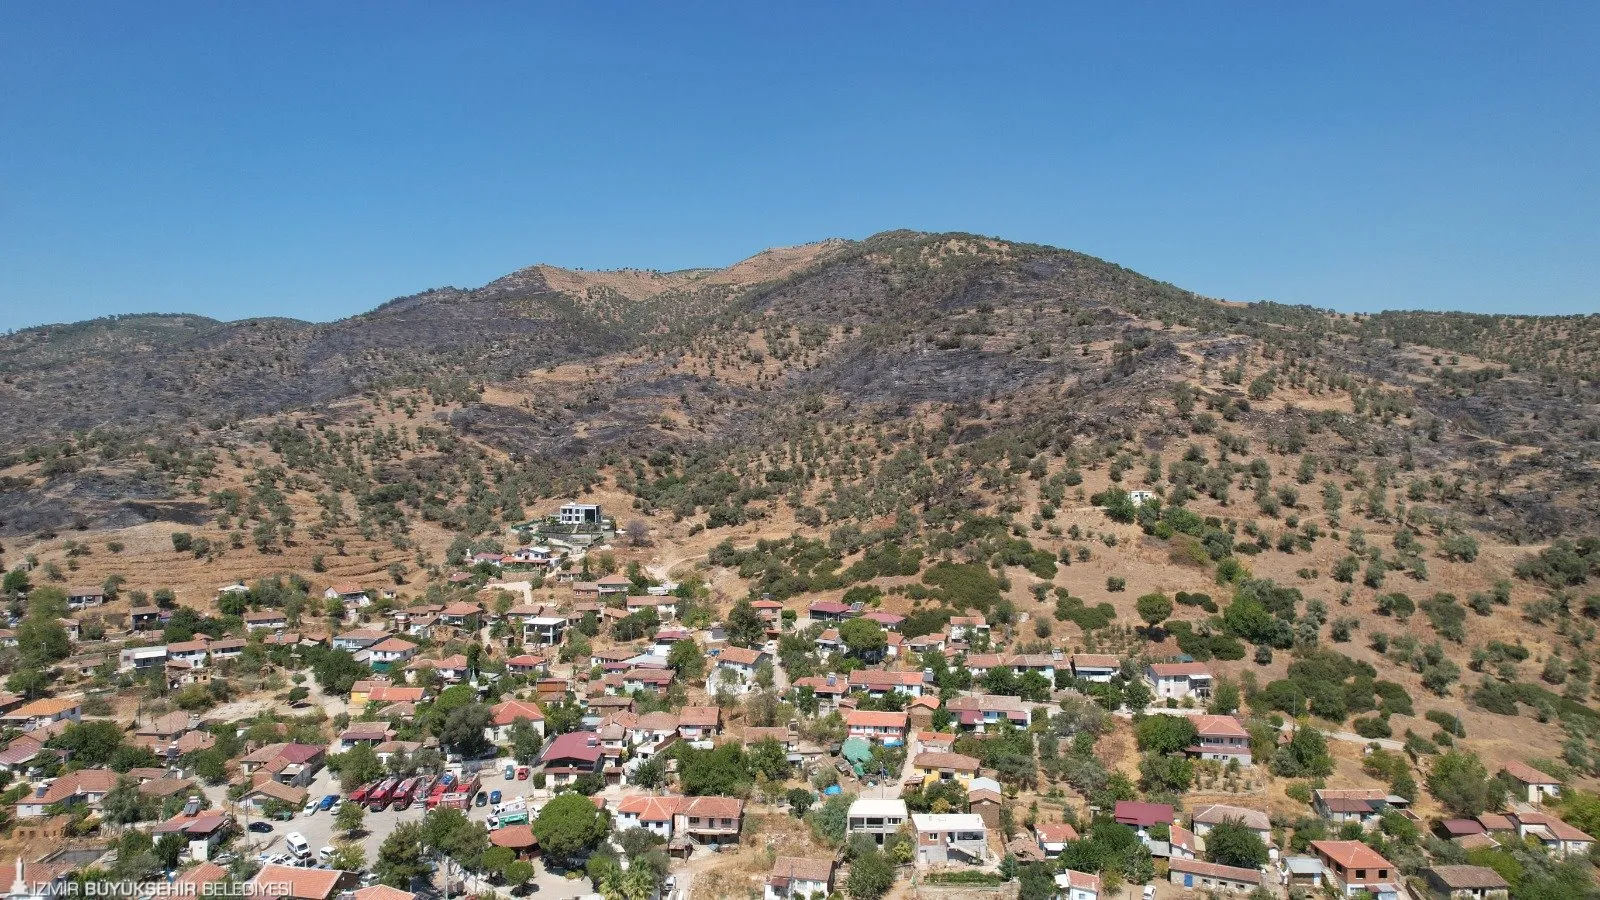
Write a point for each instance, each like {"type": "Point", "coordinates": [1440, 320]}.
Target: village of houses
{"type": "Point", "coordinates": [269, 822]}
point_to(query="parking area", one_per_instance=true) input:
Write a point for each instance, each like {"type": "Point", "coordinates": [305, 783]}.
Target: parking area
{"type": "Point", "coordinates": [320, 831]}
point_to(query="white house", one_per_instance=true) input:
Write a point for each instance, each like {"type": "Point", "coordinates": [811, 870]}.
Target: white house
{"type": "Point", "coordinates": [951, 837]}
{"type": "Point", "coordinates": [739, 661]}
{"type": "Point", "coordinates": [1075, 885]}
{"type": "Point", "coordinates": [390, 651]}
{"type": "Point", "coordinates": [1098, 668]}
{"type": "Point", "coordinates": [1560, 838]}
{"type": "Point", "coordinates": [876, 817]}
{"type": "Point", "coordinates": [794, 878]}
{"type": "Point", "coordinates": [579, 514]}
{"type": "Point", "coordinates": [1213, 814]}
{"type": "Point", "coordinates": [138, 659]}
{"type": "Point", "coordinates": [1535, 784]}
{"type": "Point", "coordinates": [653, 814]}
{"type": "Point", "coordinates": [542, 631]}
{"type": "Point", "coordinates": [1177, 681]}
{"type": "Point", "coordinates": [967, 627]}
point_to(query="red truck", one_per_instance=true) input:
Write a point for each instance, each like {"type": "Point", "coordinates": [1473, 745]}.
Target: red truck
{"type": "Point", "coordinates": [437, 792]}
{"type": "Point", "coordinates": [456, 793]}
{"type": "Point", "coordinates": [378, 800]}
{"type": "Point", "coordinates": [359, 795]}
{"type": "Point", "coordinates": [401, 796]}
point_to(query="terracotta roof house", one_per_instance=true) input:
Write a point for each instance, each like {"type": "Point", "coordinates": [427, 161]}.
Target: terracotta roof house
{"type": "Point", "coordinates": [264, 790]}
{"type": "Point", "coordinates": [1347, 805]}
{"type": "Point", "coordinates": [1480, 841]}
{"type": "Point", "coordinates": [979, 712]}
{"type": "Point", "coordinates": [793, 878]}
{"type": "Point", "coordinates": [1535, 784]}
{"type": "Point", "coordinates": [295, 883]}
{"type": "Point", "coordinates": [1354, 867]}
{"type": "Point", "coordinates": [525, 664]}
{"type": "Point", "coordinates": [652, 813]}
{"type": "Point", "coordinates": [876, 682]}
{"type": "Point", "coordinates": [504, 715]}
{"type": "Point", "coordinates": [389, 652]}
{"type": "Point", "coordinates": [43, 712]}
{"type": "Point", "coordinates": [1176, 681]}
{"type": "Point", "coordinates": [710, 820]}
{"type": "Point", "coordinates": [754, 735]}
{"type": "Point", "coordinates": [291, 764]}
{"type": "Point", "coordinates": [265, 619]}
{"type": "Point", "coordinates": [1213, 814]}
{"type": "Point", "coordinates": [1221, 738]}
{"type": "Point", "coordinates": [346, 590]}
{"type": "Point", "coordinates": [826, 688]}
{"type": "Point", "coordinates": [1075, 885]}
{"type": "Point", "coordinates": [192, 883]}
{"type": "Point", "coordinates": [887, 727]}
{"type": "Point", "coordinates": [965, 627]}
{"type": "Point", "coordinates": [931, 766]}
{"type": "Point", "coordinates": [1099, 668]}
{"type": "Point", "coordinates": [1194, 874]}
{"type": "Point", "coordinates": [1053, 837]}
{"type": "Point", "coordinates": [1560, 838]}
{"type": "Point", "coordinates": [1467, 882]}
{"type": "Point", "coordinates": [699, 722]}
{"type": "Point", "coordinates": [87, 786]}
{"type": "Point", "coordinates": [649, 680]}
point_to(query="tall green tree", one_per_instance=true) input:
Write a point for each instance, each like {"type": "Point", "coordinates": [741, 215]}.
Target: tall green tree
{"type": "Point", "coordinates": [1231, 843]}
{"type": "Point", "coordinates": [745, 628]}
{"type": "Point", "coordinates": [401, 859]}
{"type": "Point", "coordinates": [568, 827]}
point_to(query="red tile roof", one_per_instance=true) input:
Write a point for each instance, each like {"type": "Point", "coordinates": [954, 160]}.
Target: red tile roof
{"type": "Point", "coordinates": [1352, 855]}
{"type": "Point", "coordinates": [295, 882]}
{"type": "Point", "coordinates": [873, 719]}
{"type": "Point", "coordinates": [1129, 812]}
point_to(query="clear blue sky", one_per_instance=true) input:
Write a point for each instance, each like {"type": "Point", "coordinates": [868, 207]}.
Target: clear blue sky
{"type": "Point", "coordinates": [313, 160]}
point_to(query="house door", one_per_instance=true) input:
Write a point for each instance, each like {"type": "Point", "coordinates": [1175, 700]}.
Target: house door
{"type": "Point", "coordinates": [1188, 880]}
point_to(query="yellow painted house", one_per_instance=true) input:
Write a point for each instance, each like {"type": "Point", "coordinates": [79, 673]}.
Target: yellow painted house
{"type": "Point", "coordinates": [929, 767]}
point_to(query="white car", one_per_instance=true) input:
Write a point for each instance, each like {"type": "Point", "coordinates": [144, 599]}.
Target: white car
{"type": "Point", "coordinates": [310, 807]}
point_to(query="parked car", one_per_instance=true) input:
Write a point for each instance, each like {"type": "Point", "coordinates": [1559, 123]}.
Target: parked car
{"type": "Point", "coordinates": [483, 799]}
{"type": "Point", "coordinates": [510, 772]}
{"type": "Point", "coordinates": [494, 797]}
{"type": "Point", "coordinates": [522, 773]}
{"type": "Point", "coordinates": [310, 808]}
{"type": "Point", "coordinates": [261, 827]}
{"type": "Point", "coordinates": [328, 802]}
